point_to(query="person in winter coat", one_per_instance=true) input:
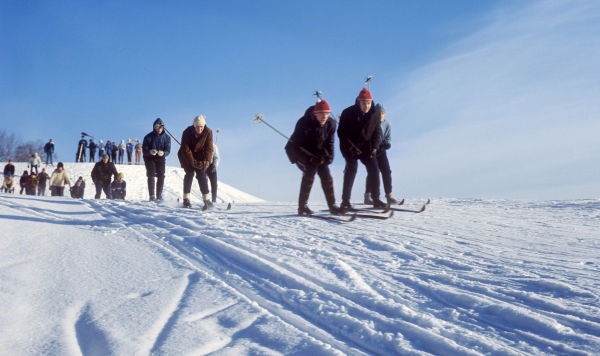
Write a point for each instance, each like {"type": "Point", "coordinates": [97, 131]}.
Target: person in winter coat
{"type": "Point", "coordinates": [32, 184]}
{"type": "Point", "coordinates": [122, 148]}
{"type": "Point", "coordinates": [34, 162]}
{"type": "Point", "coordinates": [211, 172]}
{"type": "Point", "coordinates": [113, 152]}
{"type": "Point", "coordinates": [155, 149]}
{"type": "Point", "coordinates": [92, 146]}
{"type": "Point", "coordinates": [23, 181]}
{"type": "Point", "coordinates": [102, 174]}
{"type": "Point", "coordinates": [360, 133]}
{"type": "Point", "coordinates": [58, 179]}
{"type": "Point", "coordinates": [42, 179]}
{"type": "Point", "coordinates": [78, 189]}
{"type": "Point", "coordinates": [80, 156]}
{"type": "Point", "coordinates": [49, 151]}
{"type": "Point", "coordinates": [195, 155]}
{"type": "Point", "coordinates": [383, 163]}
{"type": "Point", "coordinates": [100, 150]}
{"type": "Point", "coordinates": [119, 187]}
{"type": "Point", "coordinates": [138, 152]}
{"type": "Point", "coordinates": [129, 148]}
{"type": "Point", "coordinates": [108, 149]}
{"type": "Point", "coordinates": [311, 148]}
{"type": "Point", "coordinates": [9, 169]}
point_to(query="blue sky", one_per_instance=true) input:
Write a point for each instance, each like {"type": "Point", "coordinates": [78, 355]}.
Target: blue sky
{"type": "Point", "coordinates": [491, 99]}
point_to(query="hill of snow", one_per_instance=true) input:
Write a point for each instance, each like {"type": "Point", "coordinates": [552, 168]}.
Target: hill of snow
{"type": "Point", "coordinates": [466, 277]}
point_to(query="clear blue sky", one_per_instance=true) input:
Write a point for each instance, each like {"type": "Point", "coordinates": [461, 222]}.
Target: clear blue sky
{"type": "Point", "coordinates": [478, 92]}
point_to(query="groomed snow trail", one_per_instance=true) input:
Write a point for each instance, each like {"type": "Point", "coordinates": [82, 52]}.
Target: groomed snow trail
{"type": "Point", "coordinates": [467, 277]}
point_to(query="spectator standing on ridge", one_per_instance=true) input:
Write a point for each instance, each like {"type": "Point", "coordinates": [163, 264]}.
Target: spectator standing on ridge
{"type": "Point", "coordinates": [122, 148]}
{"type": "Point", "coordinates": [93, 146]}
{"type": "Point", "coordinates": [138, 152]}
{"type": "Point", "coordinates": [49, 151]}
{"type": "Point", "coordinates": [108, 149]}
{"type": "Point", "coordinates": [102, 173]}
{"type": "Point", "coordinates": [114, 151]}
{"type": "Point", "coordinates": [156, 147]}
{"type": "Point", "coordinates": [129, 148]}
{"type": "Point", "coordinates": [42, 179]}
{"type": "Point", "coordinates": [80, 156]}
{"type": "Point", "coordinates": [100, 150]}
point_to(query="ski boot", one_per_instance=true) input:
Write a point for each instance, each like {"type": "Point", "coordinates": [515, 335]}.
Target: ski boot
{"type": "Point", "coordinates": [390, 199]}
{"type": "Point", "coordinates": [379, 204]}
{"type": "Point", "coordinates": [186, 203]}
{"type": "Point", "coordinates": [346, 206]}
{"type": "Point", "coordinates": [152, 198]}
{"type": "Point", "coordinates": [335, 210]}
{"type": "Point", "coordinates": [368, 199]}
{"type": "Point", "coordinates": [304, 210]}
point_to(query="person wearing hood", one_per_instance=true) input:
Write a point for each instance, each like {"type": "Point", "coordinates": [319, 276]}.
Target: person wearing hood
{"type": "Point", "coordinates": [359, 132]}
{"type": "Point", "coordinates": [155, 148]}
{"type": "Point", "coordinates": [311, 148]}
{"type": "Point", "coordinates": [92, 147]}
{"type": "Point", "coordinates": [34, 162]}
{"type": "Point", "coordinates": [195, 155]}
{"type": "Point", "coordinates": [23, 181]}
{"type": "Point", "coordinates": [102, 174]}
{"type": "Point", "coordinates": [58, 179]}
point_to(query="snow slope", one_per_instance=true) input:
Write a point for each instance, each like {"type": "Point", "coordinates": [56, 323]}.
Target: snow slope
{"type": "Point", "coordinates": [466, 277]}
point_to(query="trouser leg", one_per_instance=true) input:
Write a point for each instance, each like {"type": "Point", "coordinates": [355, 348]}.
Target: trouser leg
{"type": "Point", "coordinates": [349, 175]}
{"type": "Point", "coordinates": [386, 172]}
{"type": "Point", "coordinates": [372, 176]}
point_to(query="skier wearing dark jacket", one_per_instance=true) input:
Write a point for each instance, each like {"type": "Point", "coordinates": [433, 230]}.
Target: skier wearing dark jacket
{"type": "Point", "coordinates": [80, 156]}
{"type": "Point", "coordinates": [156, 147]}
{"type": "Point", "coordinates": [102, 173]}
{"type": "Point", "coordinates": [360, 134]}
{"type": "Point", "coordinates": [311, 148]}
{"type": "Point", "coordinates": [42, 179]}
{"type": "Point", "coordinates": [195, 155]}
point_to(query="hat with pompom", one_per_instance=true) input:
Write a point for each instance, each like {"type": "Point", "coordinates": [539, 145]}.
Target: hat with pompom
{"type": "Point", "coordinates": [364, 95]}
{"type": "Point", "coordinates": [199, 120]}
{"type": "Point", "coordinates": [322, 106]}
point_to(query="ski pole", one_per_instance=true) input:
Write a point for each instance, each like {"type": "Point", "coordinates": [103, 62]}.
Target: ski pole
{"type": "Point", "coordinates": [260, 118]}
{"type": "Point", "coordinates": [368, 82]}
{"type": "Point", "coordinates": [173, 137]}
{"type": "Point", "coordinates": [217, 137]}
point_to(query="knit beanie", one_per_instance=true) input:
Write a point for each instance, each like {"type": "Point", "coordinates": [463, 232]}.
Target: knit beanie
{"type": "Point", "coordinates": [199, 120]}
{"type": "Point", "coordinates": [321, 106]}
{"type": "Point", "coordinates": [364, 95]}
{"type": "Point", "coordinates": [379, 108]}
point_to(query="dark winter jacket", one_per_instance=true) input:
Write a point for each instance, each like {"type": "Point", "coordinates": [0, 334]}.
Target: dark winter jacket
{"type": "Point", "coordinates": [49, 147]}
{"type": "Point", "coordinates": [195, 148]}
{"type": "Point", "coordinates": [23, 180]}
{"type": "Point", "coordinates": [103, 172]}
{"type": "Point", "coordinates": [118, 189]}
{"type": "Point", "coordinates": [108, 148]}
{"type": "Point", "coordinates": [359, 133]}
{"type": "Point", "coordinates": [82, 145]}
{"type": "Point", "coordinates": [92, 146]}
{"type": "Point", "coordinates": [157, 142]}
{"type": "Point", "coordinates": [9, 169]}
{"type": "Point", "coordinates": [129, 147]}
{"type": "Point", "coordinates": [310, 143]}
{"type": "Point", "coordinates": [43, 178]}
{"type": "Point", "coordinates": [77, 192]}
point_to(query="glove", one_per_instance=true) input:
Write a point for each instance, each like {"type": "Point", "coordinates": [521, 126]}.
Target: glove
{"type": "Point", "coordinates": [203, 165]}
{"type": "Point", "coordinates": [212, 169]}
{"type": "Point", "coordinates": [386, 145]}
{"type": "Point", "coordinates": [373, 152]}
{"type": "Point", "coordinates": [153, 152]}
{"type": "Point", "coordinates": [316, 161]}
{"type": "Point", "coordinates": [161, 153]}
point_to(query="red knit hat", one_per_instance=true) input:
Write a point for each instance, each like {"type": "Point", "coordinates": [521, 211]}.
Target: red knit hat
{"type": "Point", "coordinates": [364, 95]}
{"type": "Point", "coordinates": [321, 106]}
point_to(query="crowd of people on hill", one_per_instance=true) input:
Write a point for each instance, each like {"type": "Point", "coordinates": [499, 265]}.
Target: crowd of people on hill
{"type": "Point", "coordinates": [364, 136]}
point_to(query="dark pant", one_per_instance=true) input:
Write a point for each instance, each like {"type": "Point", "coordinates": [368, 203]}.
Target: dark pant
{"type": "Point", "coordinates": [308, 177]}
{"type": "Point", "coordinates": [383, 164]}
{"type": "Point", "coordinates": [48, 158]}
{"type": "Point", "coordinates": [200, 176]}
{"type": "Point", "coordinates": [57, 191]}
{"type": "Point", "coordinates": [100, 186]}
{"type": "Point", "coordinates": [155, 167]}
{"type": "Point", "coordinates": [350, 173]}
{"type": "Point", "coordinates": [41, 189]}
{"type": "Point", "coordinates": [36, 169]}
{"type": "Point", "coordinates": [121, 156]}
{"type": "Point", "coordinates": [129, 157]}
{"type": "Point", "coordinates": [212, 176]}
{"type": "Point", "coordinates": [92, 155]}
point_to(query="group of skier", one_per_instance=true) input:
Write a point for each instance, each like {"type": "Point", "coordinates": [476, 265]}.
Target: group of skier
{"type": "Point", "coordinates": [364, 136]}
{"type": "Point", "coordinates": [116, 152]}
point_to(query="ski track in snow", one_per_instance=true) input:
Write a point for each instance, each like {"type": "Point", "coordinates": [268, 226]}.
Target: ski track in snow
{"type": "Point", "coordinates": [467, 277]}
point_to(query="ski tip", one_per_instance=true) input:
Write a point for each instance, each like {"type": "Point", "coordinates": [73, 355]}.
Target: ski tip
{"type": "Point", "coordinates": [391, 214]}
{"type": "Point", "coordinates": [352, 218]}
{"type": "Point", "coordinates": [401, 202]}
{"type": "Point", "coordinates": [205, 207]}
{"type": "Point", "coordinates": [229, 206]}
{"type": "Point", "coordinates": [422, 208]}
{"type": "Point", "coordinates": [428, 201]}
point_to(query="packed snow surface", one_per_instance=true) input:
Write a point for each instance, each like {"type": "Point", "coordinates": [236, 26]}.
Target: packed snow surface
{"type": "Point", "coordinates": [465, 277]}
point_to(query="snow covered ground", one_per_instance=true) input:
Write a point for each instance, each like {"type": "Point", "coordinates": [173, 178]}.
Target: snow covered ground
{"type": "Point", "coordinates": [466, 277]}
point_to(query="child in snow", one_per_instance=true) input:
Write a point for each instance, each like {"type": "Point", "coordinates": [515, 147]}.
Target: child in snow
{"type": "Point", "coordinates": [118, 187]}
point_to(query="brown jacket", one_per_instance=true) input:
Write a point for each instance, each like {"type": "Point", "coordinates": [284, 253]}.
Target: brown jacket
{"type": "Point", "coordinates": [195, 148]}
